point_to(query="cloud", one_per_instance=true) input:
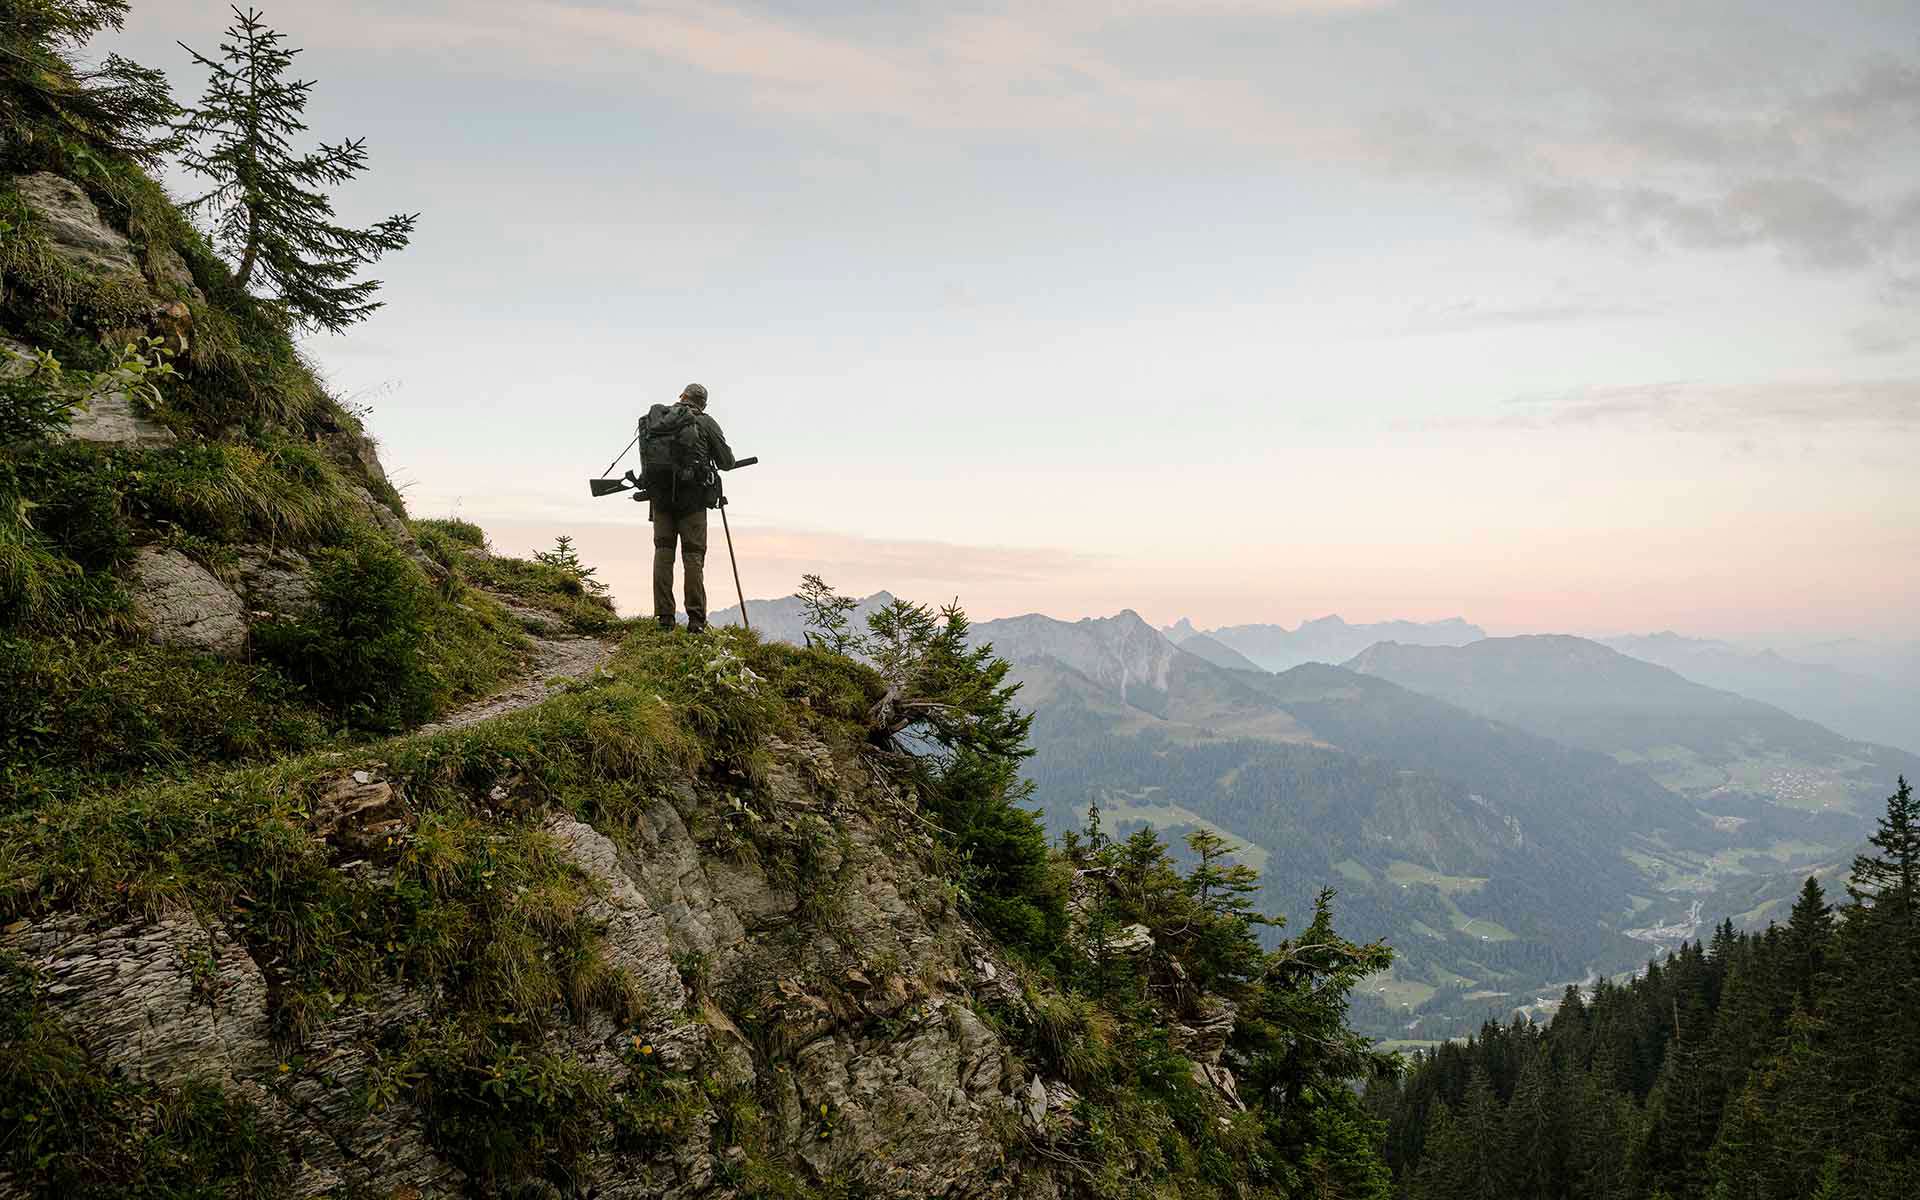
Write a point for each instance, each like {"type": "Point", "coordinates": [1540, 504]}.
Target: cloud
{"type": "Point", "coordinates": [1812, 176]}
{"type": "Point", "coordinates": [1705, 161]}
{"type": "Point", "coordinates": [1474, 314]}
{"type": "Point", "coordinates": [1890, 405]}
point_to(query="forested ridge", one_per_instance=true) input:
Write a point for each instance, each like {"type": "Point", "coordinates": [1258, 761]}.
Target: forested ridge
{"type": "Point", "coordinates": [1758, 1065]}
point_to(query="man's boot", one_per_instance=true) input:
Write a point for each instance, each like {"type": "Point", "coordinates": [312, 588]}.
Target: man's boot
{"type": "Point", "coordinates": [666, 624]}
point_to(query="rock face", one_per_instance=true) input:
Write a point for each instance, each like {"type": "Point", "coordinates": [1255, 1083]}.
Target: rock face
{"type": "Point", "coordinates": [107, 419]}
{"type": "Point", "coordinates": [80, 236]}
{"type": "Point", "coordinates": [395, 528]}
{"type": "Point", "coordinates": [275, 581]}
{"type": "Point", "coordinates": [178, 999]}
{"type": "Point", "coordinates": [187, 605]}
{"type": "Point", "coordinates": [857, 980]}
{"type": "Point", "coordinates": [1121, 652]}
{"type": "Point", "coordinates": [110, 420]}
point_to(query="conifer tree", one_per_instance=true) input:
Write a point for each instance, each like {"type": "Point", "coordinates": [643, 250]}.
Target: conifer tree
{"type": "Point", "coordinates": [268, 209]}
{"type": "Point", "coordinates": [119, 106]}
{"type": "Point", "coordinates": [1892, 877]}
{"type": "Point", "coordinates": [1809, 930]}
{"type": "Point", "coordinates": [1534, 1131]}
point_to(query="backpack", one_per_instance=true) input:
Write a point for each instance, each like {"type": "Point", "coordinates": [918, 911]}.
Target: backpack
{"type": "Point", "coordinates": [674, 463]}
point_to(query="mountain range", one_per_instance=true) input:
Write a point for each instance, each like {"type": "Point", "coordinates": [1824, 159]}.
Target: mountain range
{"type": "Point", "coordinates": [1511, 814]}
{"type": "Point", "coordinates": [1714, 747]}
{"type": "Point", "coordinates": [1326, 640]}
{"type": "Point", "coordinates": [1877, 699]}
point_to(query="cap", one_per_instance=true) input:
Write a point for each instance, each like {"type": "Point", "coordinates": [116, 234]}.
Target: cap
{"type": "Point", "coordinates": [694, 391]}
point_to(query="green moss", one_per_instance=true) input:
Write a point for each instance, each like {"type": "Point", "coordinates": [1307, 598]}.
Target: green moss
{"type": "Point", "coordinates": [70, 1127]}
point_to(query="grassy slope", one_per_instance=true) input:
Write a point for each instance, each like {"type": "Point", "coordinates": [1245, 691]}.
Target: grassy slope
{"type": "Point", "coordinates": [480, 909]}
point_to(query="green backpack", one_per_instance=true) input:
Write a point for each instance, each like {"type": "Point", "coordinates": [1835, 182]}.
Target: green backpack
{"type": "Point", "coordinates": [674, 463]}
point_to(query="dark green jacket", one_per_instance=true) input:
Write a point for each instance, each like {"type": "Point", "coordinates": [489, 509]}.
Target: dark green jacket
{"type": "Point", "coordinates": [717, 448]}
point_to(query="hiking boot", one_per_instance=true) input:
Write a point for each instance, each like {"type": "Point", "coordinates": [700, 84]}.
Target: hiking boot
{"type": "Point", "coordinates": [696, 626]}
{"type": "Point", "coordinates": [666, 624]}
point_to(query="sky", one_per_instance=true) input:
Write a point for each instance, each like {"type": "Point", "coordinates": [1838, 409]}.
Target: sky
{"type": "Point", "coordinates": [1558, 317]}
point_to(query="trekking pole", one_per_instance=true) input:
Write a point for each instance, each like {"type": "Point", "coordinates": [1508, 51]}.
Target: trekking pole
{"type": "Point", "coordinates": [737, 590]}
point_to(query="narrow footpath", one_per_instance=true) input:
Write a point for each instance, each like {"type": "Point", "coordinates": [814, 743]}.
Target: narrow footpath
{"type": "Point", "coordinates": [557, 655]}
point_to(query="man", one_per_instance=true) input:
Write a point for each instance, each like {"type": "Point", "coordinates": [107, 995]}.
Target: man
{"type": "Point", "coordinates": [682, 517]}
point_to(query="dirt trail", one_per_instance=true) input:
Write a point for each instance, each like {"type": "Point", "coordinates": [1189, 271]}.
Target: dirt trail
{"type": "Point", "coordinates": [556, 656]}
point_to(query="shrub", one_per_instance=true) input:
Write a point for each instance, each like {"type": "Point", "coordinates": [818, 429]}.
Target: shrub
{"type": "Point", "coordinates": [363, 648]}
{"type": "Point", "coordinates": [75, 491]}
{"type": "Point", "coordinates": [466, 533]}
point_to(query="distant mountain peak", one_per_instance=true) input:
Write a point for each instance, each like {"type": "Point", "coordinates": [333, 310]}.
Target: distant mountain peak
{"type": "Point", "coordinates": [1180, 631]}
{"type": "Point", "coordinates": [1329, 622]}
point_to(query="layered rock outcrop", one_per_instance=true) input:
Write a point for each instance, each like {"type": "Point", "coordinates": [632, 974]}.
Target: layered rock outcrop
{"type": "Point", "coordinates": [845, 1008]}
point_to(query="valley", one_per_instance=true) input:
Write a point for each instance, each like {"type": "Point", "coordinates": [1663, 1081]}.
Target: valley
{"type": "Point", "coordinates": [1551, 817]}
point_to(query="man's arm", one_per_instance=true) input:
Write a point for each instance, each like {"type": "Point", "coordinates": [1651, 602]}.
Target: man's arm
{"type": "Point", "coordinates": [717, 443]}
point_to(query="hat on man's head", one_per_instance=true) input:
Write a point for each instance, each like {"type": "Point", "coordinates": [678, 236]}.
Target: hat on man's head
{"type": "Point", "coordinates": [696, 393]}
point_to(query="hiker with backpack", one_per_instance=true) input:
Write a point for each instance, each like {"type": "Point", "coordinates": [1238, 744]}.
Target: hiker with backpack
{"type": "Point", "coordinates": [682, 452]}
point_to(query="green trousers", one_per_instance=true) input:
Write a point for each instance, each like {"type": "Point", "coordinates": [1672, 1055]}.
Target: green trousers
{"type": "Point", "coordinates": [689, 530]}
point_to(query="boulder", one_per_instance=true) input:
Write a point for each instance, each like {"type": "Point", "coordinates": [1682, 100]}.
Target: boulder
{"type": "Point", "coordinates": [1134, 939]}
{"type": "Point", "coordinates": [105, 420]}
{"type": "Point", "coordinates": [110, 420]}
{"type": "Point", "coordinates": [274, 581]}
{"type": "Point", "coordinates": [185, 604]}
{"type": "Point", "coordinates": [80, 236]}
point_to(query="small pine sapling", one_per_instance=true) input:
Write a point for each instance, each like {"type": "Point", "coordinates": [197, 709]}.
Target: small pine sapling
{"type": "Point", "coordinates": [567, 558]}
{"type": "Point", "coordinates": [268, 211]}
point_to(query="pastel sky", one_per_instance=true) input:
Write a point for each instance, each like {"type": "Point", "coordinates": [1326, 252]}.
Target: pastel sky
{"type": "Point", "coordinates": [1584, 317]}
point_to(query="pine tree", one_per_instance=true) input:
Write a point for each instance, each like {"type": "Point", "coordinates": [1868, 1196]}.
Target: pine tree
{"type": "Point", "coordinates": [1809, 930]}
{"type": "Point", "coordinates": [1892, 877]}
{"type": "Point", "coordinates": [268, 209]}
{"type": "Point", "coordinates": [1535, 1132]}
{"type": "Point", "coordinates": [119, 106]}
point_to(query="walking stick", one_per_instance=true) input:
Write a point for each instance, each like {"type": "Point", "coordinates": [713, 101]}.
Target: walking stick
{"type": "Point", "coordinates": [728, 529]}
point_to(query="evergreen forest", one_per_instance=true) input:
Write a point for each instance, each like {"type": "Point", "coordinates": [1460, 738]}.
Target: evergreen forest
{"type": "Point", "coordinates": [1766, 1065]}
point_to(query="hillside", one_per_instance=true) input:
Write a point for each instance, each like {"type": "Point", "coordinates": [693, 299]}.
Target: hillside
{"type": "Point", "coordinates": [340, 856]}
{"type": "Point", "coordinates": [1494, 860]}
{"type": "Point", "coordinates": [1725, 751]}
{"type": "Point", "coordinates": [1866, 707]}
{"type": "Point", "coordinates": [1771, 1065]}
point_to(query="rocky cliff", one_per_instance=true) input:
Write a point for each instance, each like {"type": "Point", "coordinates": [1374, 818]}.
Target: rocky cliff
{"type": "Point", "coordinates": [661, 980]}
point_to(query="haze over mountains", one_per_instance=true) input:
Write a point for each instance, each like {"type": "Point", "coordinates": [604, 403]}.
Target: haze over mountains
{"type": "Point", "coordinates": [1876, 698]}
{"type": "Point", "coordinates": [1327, 640]}
{"type": "Point", "coordinates": [1511, 813]}
{"type": "Point", "coordinates": [1710, 745]}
